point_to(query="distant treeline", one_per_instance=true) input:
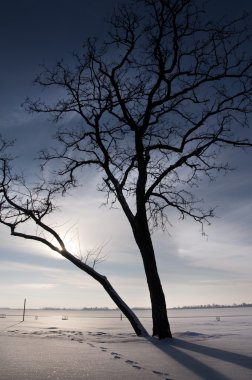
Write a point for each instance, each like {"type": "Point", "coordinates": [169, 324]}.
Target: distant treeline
{"type": "Point", "coordinates": [97, 308]}
{"type": "Point", "coordinates": [212, 306]}
{"type": "Point", "coordinates": [77, 309]}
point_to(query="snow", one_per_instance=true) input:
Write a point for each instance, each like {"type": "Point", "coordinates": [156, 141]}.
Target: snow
{"type": "Point", "coordinates": [102, 346]}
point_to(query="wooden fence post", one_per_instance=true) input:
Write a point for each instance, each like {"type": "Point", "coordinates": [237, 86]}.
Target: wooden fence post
{"type": "Point", "coordinates": [24, 310]}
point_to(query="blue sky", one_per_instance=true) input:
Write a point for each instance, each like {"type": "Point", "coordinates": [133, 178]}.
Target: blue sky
{"type": "Point", "coordinates": [194, 269]}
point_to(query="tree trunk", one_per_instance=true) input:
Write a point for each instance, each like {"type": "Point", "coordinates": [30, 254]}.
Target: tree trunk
{"type": "Point", "coordinates": [161, 326]}
{"type": "Point", "coordinates": [125, 309]}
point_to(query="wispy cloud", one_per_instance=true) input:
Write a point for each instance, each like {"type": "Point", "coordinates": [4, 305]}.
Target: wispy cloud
{"type": "Point", "coordinates": [36, 286]}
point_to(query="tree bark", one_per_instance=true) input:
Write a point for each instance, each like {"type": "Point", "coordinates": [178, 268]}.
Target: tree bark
{"type": "Point", "coordinates": [161, 326]}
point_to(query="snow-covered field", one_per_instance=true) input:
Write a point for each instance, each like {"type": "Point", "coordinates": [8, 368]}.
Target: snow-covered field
{"type": "Point", "coordinates": [99, 345]}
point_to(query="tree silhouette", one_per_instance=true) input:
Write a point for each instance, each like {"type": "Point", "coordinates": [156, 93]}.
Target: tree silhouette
{"type": "Point", "coordinates": [24, 210]}
{"type": "Point", "coordinates": [155, 105]}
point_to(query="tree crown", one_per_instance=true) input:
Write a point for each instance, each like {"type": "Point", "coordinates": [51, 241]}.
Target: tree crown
{"type": "Point", "coordinates": [158, 100]}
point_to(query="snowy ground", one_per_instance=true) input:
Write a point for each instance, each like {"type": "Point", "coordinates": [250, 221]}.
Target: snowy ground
{"type": "Point", "coordinates": [52, 348]}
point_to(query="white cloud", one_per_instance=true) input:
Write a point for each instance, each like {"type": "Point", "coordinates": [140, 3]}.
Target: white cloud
{"type": "Point", "coordinates": [24, 267]}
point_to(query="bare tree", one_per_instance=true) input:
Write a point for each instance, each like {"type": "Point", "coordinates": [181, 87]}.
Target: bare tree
{"type": "Point", "coordinates": [24, 210]}
{"type": "Point", "coordinates": [156, 103]}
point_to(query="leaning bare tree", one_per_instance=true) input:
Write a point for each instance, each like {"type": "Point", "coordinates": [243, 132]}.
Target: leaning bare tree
{"type": "Point", "coordinates": [25, 212]}
{"type": "Point", "coordinates": [159, 100]}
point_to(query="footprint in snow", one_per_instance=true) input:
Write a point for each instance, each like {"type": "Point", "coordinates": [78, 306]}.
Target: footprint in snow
{"type": "Point", "coordinates": [100, 333]}
{"type": "Point", "coordinates": [136, 366]}
{"type": "Point", "coordinates": [130, 362]}
{"type": "Point", "coordinates": [162, 374]}
{"type": "Point", "coordinates": [91, 344]}
{"type": "Point", "coordinates": [116, 355]}
{"type": "Point", "coordinates": [104, 349]}
{"type": "Point", "coordinates": [133, 364]}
